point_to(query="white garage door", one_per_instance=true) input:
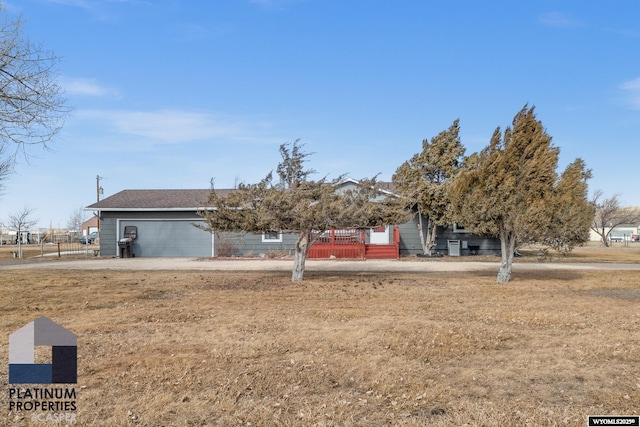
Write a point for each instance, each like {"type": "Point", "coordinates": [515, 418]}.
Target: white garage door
{"type": "Point", "coordinates": [169, 238]}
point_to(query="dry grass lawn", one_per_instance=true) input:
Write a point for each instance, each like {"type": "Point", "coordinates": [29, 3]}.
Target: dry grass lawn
{"type": "Point", "coordinates": [179, 348]}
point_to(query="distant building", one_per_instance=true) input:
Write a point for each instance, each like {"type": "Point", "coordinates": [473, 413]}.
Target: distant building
{"type": "Point", "coordinates": [89, 226]}
{"type": "Point", "coordinates": [623, 232]}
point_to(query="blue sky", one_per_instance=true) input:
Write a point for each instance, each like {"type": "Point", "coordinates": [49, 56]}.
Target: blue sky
{"type": "Point", "coordinates": [173, 93]}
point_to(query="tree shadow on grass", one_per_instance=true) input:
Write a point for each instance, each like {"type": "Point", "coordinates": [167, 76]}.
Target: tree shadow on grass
{"type": "Point", "coordinates": [554, 275]}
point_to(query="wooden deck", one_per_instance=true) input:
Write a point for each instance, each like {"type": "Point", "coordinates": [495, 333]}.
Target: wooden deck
{"type": "Point", "coordinates": [351, 244]}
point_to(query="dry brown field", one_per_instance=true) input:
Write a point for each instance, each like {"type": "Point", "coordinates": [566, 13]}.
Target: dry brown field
{"type": "Point", "coordinates": [186, 348]}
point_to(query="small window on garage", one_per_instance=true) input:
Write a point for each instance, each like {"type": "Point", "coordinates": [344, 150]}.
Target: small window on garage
{"type": "Point", "coordinates": [272, 237]}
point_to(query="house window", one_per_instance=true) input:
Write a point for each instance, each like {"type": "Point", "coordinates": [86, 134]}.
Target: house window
{"type": "Point", "coordinates": [272, 237]}
{"type": "Point", "coordinates": [457, 228]}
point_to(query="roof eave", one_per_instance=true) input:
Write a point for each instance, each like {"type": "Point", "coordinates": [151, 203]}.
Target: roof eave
{"type": "Point", "coordinates": [202, 208]}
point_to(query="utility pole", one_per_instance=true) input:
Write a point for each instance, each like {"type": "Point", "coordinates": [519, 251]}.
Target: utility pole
{"type": "Point", "coordinates": [99, 191]}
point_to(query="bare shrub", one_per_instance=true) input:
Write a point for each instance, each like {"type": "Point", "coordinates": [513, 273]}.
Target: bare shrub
{"type": "Point", "coordinates": [274, 253]}
{"type": "Point", "coordinates": [227, 245]}
{"type": "Point", "coordinates": [226, 249]}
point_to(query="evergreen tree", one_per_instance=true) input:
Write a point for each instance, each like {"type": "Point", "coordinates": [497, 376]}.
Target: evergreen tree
{"type": "Point", "coordinates": [573, 212]}
{"type": "Point", "coordinates": [424, 181]}
{"type": "Point", "coordinates": [298, 205]}
{"type": "Point", "coordinates": [510, 190]}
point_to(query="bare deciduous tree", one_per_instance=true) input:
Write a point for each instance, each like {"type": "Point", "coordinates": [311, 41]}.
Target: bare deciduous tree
{"type": "Point", "coordinates": [76, 219]}
{"type": "Point", "coordinates": [32, 108]}
{"type": "Point", "coordinates": [21, 221]}
{"type": "Point", "coordinates": [5, 167]}
{"type": "Point", "coordinates": [609, 215]}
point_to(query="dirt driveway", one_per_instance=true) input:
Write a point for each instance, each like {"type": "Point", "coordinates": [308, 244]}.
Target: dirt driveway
{"type": "Point", "coordinates": [286, 265]}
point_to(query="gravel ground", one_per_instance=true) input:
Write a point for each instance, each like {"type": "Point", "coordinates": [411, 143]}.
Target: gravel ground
{"type": "Point", "coordinates": [286, 265]}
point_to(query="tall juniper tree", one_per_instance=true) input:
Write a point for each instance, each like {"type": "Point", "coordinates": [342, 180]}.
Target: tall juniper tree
{"type": "Point", "coordinates": [423, 181]}
{"type": "Point", "coordinates": [511, 190]}
{"type": "Point", "coordinates": [572, 211]}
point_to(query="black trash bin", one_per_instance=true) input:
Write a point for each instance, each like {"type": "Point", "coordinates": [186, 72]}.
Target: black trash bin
{"type": "Point", "coordinates": [126, 243]}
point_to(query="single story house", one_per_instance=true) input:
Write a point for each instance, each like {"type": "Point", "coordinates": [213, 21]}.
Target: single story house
{"type": "Point", "coordinates": [164, 224]}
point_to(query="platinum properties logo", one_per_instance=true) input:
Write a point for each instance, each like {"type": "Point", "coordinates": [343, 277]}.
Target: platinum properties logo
{"type": "Point", "coordinates": [56, 404]}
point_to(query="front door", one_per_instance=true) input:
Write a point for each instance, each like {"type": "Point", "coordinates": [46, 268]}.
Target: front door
{"type": "Point", "coordinates": [379, 235]}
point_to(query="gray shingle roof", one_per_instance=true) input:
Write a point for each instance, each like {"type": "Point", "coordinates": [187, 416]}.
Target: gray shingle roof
{"type": "Point", "coordinates": [187, 200]}
{"type": "Point", "coordinates": [155, 199]}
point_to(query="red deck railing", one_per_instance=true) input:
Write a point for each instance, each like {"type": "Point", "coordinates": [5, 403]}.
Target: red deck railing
{"type": "Point", "coordinates": [350, 243]}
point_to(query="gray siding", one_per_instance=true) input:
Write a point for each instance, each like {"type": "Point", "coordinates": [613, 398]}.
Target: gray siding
{"type": "Point", "coordinates": [410, 240]}
{"type": "Point", "coordinates": [482, 245]}
{"type": "Point", "coordinates": [170, 233]}
{"type": "Point", "coordinates": [108, 242]}
{"type": "Point", "coordinates": [247, 244]}
{"type": "Point", "coordinates": [169, 238]}
{"type": "Point", "coordinates": [167, 234]}
{"type": "Point", "coordinates": [159, 234]}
